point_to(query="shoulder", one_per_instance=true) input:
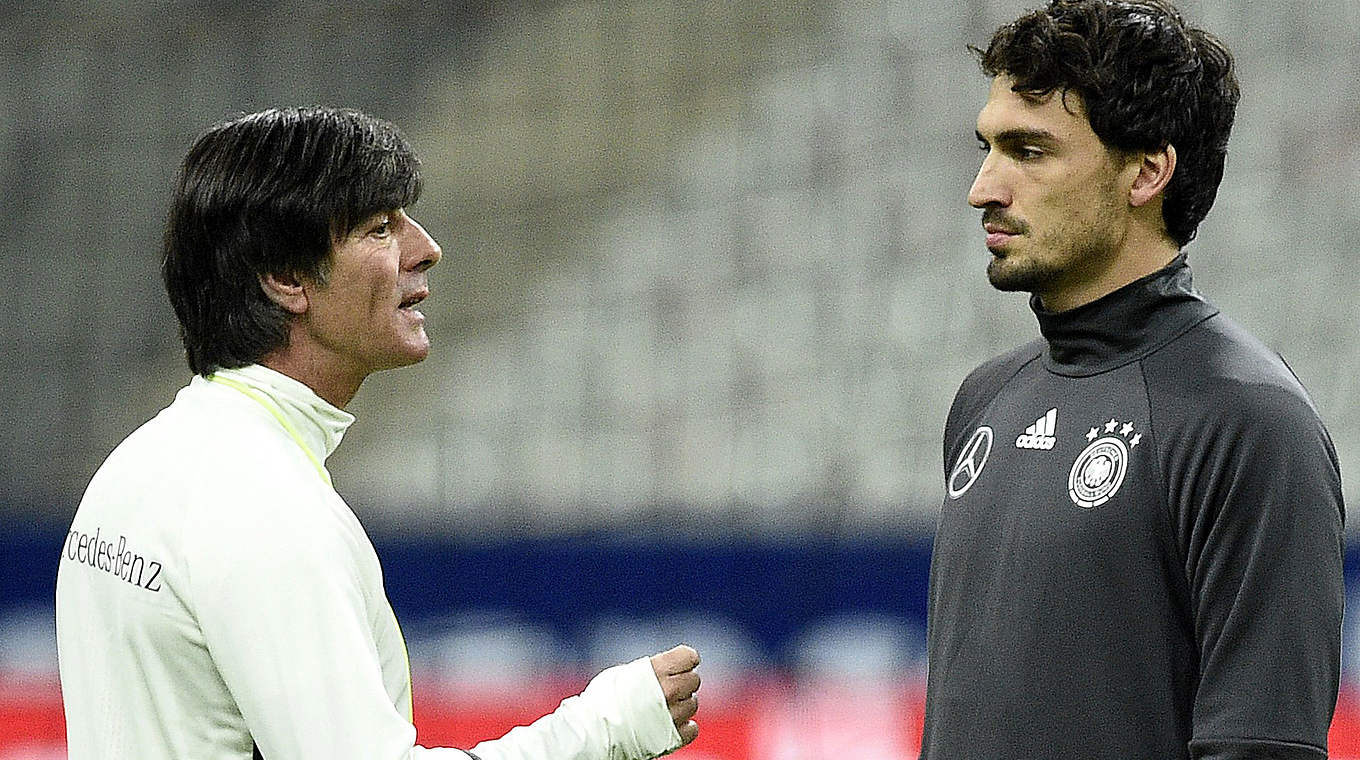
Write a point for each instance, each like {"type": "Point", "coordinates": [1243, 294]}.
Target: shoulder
{"type": "Point", "coordinates": [1226, 410]}
{"type": "Point", "coordinates": [979, 388]}
{"type": "Point", "coordinates": [212, 465]}
{"type": "Point", "coordinates": [202, 456]}
{"type": "Point", "coordinates": [987, 379]}
{"type": "Point", "coordinates": [1220, 374]}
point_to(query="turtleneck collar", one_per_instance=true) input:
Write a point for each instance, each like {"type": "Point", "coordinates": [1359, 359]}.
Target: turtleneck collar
{"type": "Point", "coordinates": [1123, 326]}
{"type": "Point", "coordinates": [319, 424]}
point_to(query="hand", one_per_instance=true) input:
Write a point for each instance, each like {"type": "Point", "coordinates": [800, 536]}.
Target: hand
{"type": "Point", "coordinates": [675, 670]}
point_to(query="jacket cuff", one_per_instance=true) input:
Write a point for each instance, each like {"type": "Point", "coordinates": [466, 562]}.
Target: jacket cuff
{"type": "Point", "coordinates": [630, 703]}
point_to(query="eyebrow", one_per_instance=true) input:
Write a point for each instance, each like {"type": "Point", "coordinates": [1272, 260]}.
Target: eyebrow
{"type": "Point", "coordinates": [1020, 135]}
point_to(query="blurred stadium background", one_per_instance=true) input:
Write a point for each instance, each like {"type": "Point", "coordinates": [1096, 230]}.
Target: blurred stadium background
{"type": "Point", "coordinates": [709, 284]}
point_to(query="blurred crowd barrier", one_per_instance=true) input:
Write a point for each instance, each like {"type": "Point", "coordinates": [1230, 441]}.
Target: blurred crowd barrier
{"type": "Point", "coordinates": [810, 649]}
{"type": "Point", "coordinates": [769, 717]}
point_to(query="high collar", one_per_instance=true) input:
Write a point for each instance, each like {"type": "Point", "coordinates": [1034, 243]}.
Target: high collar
{"type": "Point", "coordinates": [1123, 326]}
{"type": "Point", "coordinates": [319, 424]}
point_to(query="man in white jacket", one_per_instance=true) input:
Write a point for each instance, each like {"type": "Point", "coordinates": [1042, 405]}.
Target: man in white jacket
{"type": "Point", "coordinates": [216, 598]}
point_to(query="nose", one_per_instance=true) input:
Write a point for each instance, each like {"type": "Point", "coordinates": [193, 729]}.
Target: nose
{"type": "Point", "coordinates": [421, 250]}
{"type": "Point", "coordinates": [988, 187]}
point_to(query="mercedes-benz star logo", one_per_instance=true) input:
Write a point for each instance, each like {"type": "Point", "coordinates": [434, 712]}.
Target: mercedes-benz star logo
{"type": "Point", "coordinates": [971, 461]}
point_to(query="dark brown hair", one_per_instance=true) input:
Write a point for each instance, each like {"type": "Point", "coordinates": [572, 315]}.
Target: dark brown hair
{"type": "Point", "coordinates": [1145, 80]}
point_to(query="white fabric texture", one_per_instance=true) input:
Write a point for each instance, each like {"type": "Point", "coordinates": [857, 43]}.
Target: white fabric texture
{"type": "Point", "coordinates": [216, 594]}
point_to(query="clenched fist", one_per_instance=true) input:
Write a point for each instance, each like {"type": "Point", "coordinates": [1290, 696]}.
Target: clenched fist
{"type": "Point", "coordinates": [674, 668]}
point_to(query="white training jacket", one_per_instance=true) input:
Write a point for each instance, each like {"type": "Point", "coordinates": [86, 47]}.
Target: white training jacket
{"type": "Point", "coordinates": [217, 598]}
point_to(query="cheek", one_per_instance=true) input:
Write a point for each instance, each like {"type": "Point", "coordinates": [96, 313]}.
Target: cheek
{"type": "Point", "coordinates": [1076, 204]}
{"type": "Point", "coordinates": [380, 291]}
{"type": "Point", "coordinates": [1052, 213]}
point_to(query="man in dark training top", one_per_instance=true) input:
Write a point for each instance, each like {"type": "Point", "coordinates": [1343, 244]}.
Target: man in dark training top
{"type": "Point", "coordinates": [1139, 554]}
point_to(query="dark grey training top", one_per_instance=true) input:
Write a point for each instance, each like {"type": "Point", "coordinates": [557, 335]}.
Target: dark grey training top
{"type": "Point", "coordinates": [1139, 554]}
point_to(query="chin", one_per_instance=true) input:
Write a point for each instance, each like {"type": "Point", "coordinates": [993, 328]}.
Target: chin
{"type": "Point", "coordinates": [416, 357]}
{"type": "Point", "coordinates": [1010, 276]}
{"type": "Point", "coordinates": [406, 357]}
{"type": "Point", "coordinates": [416, 348]}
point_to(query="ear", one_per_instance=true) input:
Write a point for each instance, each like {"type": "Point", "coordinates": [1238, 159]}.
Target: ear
{"type": "Point", "coordinates": [1154, 172]}
{"type": "Point", "coordinates": [286, 290]}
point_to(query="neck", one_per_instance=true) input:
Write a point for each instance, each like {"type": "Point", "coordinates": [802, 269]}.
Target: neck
{"type": "Point", "coordinates": [1124, 325]}
{"type": "Point", "coordinates": [1138, 255]}
{"type": "Point", "coordinates": [337, 388]}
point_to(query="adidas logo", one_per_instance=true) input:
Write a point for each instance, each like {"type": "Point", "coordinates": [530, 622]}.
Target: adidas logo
{"type": "Point", "coordinates": [1040, 434]}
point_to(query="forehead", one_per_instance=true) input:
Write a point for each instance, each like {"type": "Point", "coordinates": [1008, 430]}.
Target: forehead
{"type": "Point", "coordinates": [1009, 111]}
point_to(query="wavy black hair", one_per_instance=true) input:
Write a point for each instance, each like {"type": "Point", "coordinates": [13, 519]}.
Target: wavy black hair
{"type": "Point", "coordinates": [1145, 79]}
{"type": "Point", "coordinates": [269, 193]}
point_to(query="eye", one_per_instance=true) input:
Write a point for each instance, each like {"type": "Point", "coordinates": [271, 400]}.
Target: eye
{"type": "Point", "coordinates": [382, 227]}
{"type": "Point", "coordinates": [1027, 153]}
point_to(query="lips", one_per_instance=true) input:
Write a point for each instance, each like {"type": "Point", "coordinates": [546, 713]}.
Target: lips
{"type": "Point", "coordinates": [415, 298]}
{"type": "Point", "coordinates": [999, 232]}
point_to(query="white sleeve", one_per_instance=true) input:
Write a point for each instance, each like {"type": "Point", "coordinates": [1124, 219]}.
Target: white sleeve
{"type": "Point", "coordinates": [621, 715]}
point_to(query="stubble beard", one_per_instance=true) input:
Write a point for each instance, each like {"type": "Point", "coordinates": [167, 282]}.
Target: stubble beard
{"type": "Point", "coordinates": [1048, 269]}
{"type": "Point", "coordinates": [1056, 255]}
{"type": "Point", "coordinates": [1009, 274]}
